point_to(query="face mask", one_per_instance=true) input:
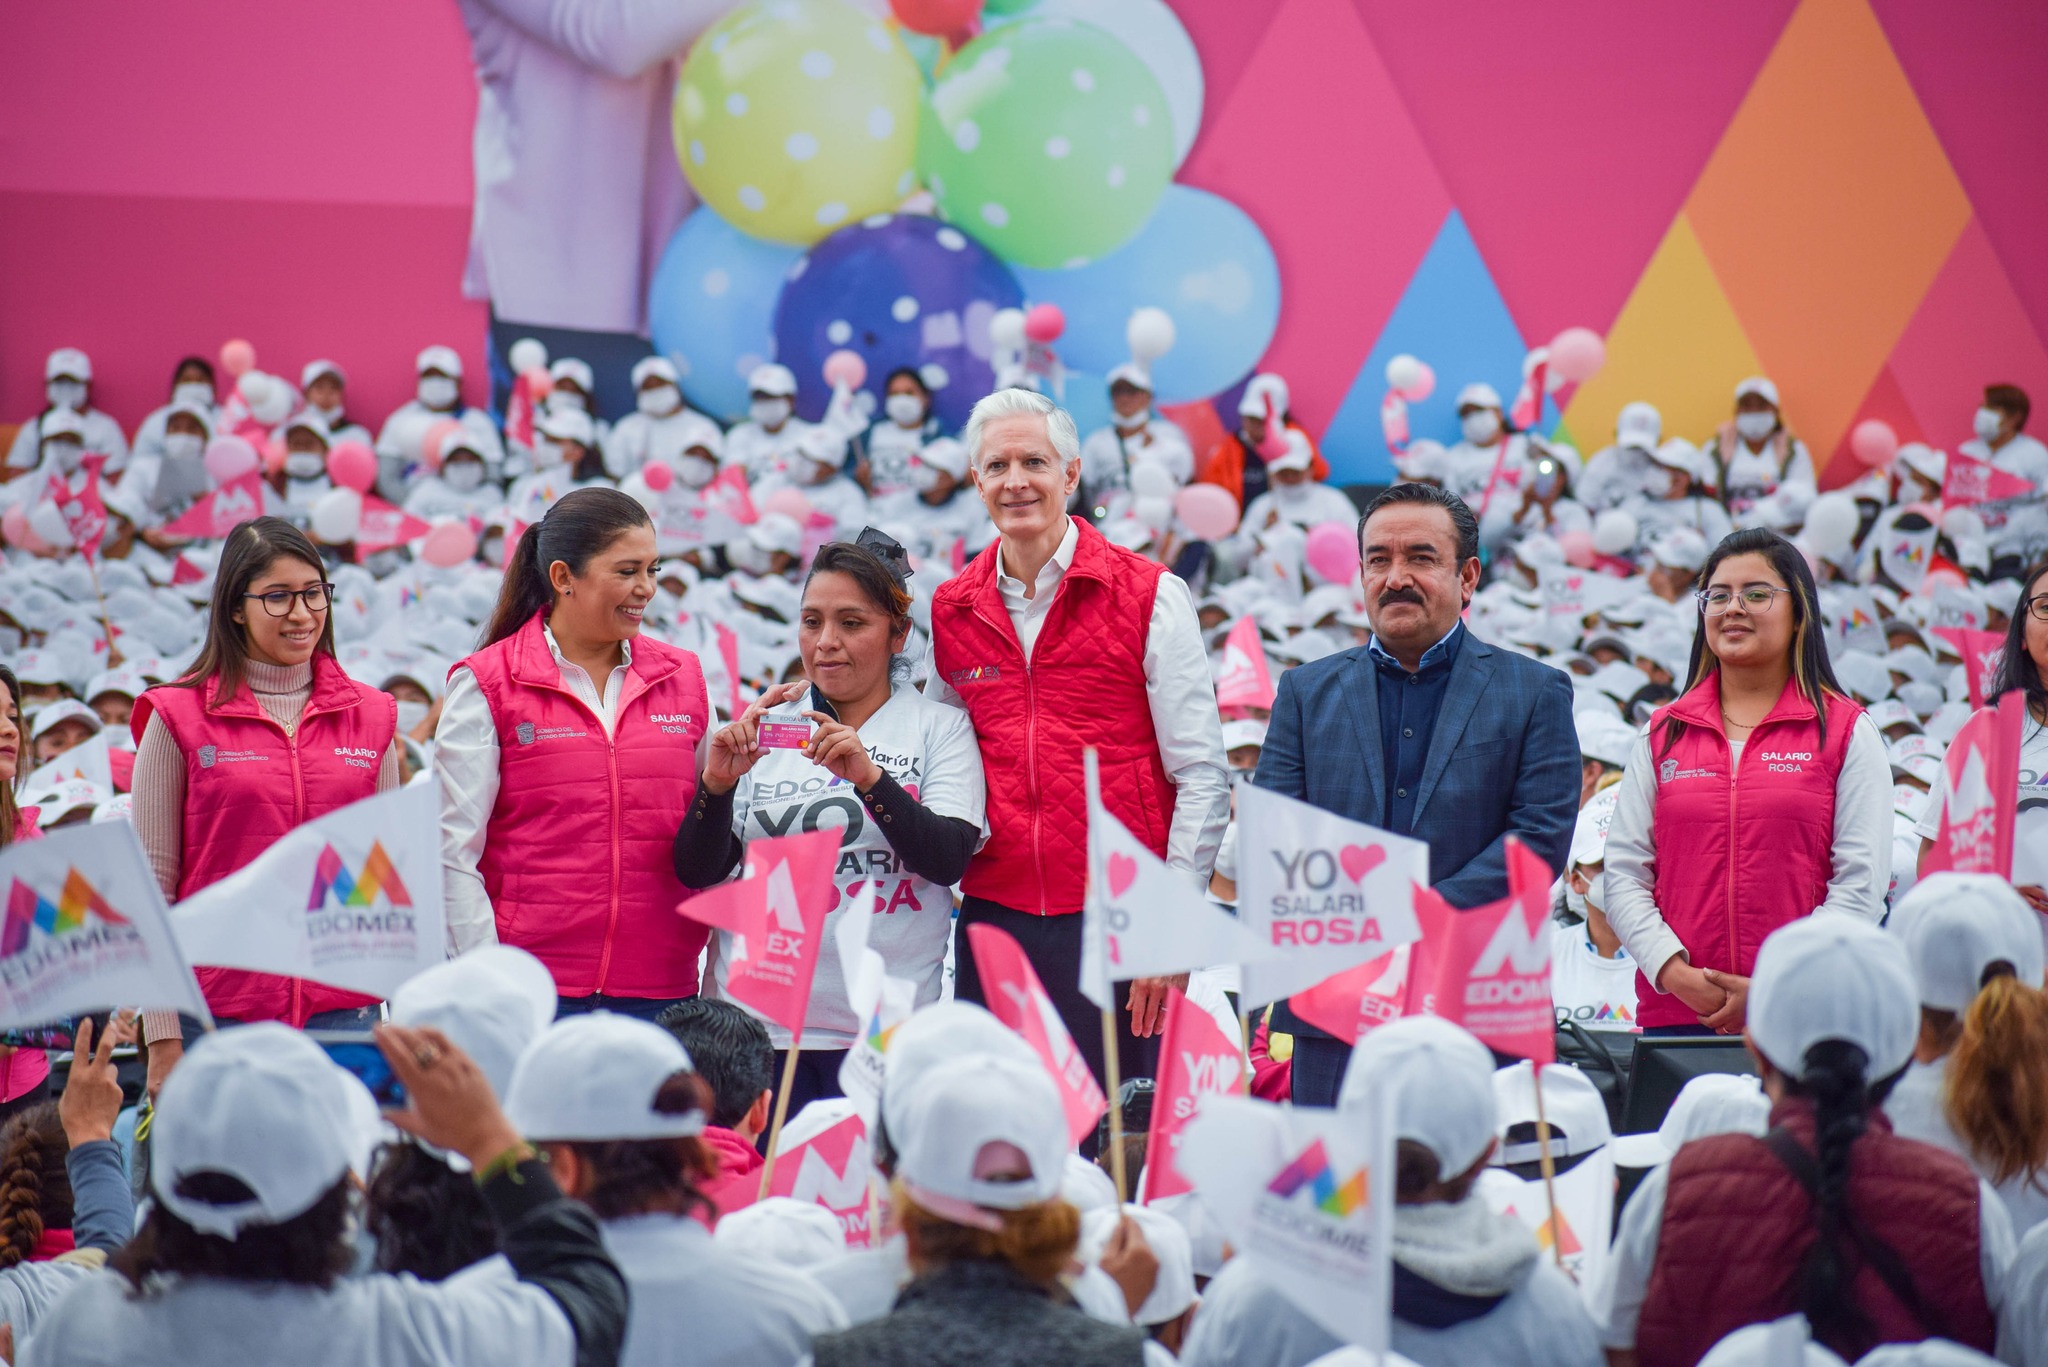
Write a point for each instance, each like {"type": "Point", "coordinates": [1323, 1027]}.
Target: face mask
{"type": "Point", "coordinates": [696, 471]}
{"type": "Point", "coordinates": [924, 478]}
{"type": "Point", "coordinates": [66, 394]}
{"type": "Point", "coordinates": [1480, 427]}
{"type": "Point", "coordinates": [494, 551]}
{"type": "Point", "coordinates": [1131, 423]}
{"type": "Point", "coordinates": [769, 412]}
{"type": "Point", "coordinates": [549, 455]}
{"type": "Point", "coordinates": [194, 392]}
{"type": "Point", "coordinates": [1287, 495]}
{"type": "Point", "coordinates": [905, 410]}
{"type": "Point", "coordinates": [463, 476]}
{"type": "Point", "coordinates": [561, 399]}
{"type": "Point", "coordinates": [303, 493]}
{"type": "Point", "coordinates": [411, 714]}
{"type": "Point", "coordinates": [1987, 423]}
{"type": "Point", "coordinates": [439, 392]}
{"type": "Point", "coordinates": [659, 401]}
{"type": "Point", "coordinates": [184, 446]}
{"type": "Point", "coordinates": [1574, 902]}
{"type": "Point", "coordinates": [65, 454]}
{"type": "Point", "coordinates": [1756, 426]}
{"type": "Point", "coordinates": [305, 465]}
{"type": "Point", "coordinates": [330, 411]}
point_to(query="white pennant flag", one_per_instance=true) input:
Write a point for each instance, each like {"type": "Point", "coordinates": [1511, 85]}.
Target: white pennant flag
{"type": "Point", "coordinates": [86, 930]}
{"type": "Point", "coordinates": [89, 761]}
{"type": "Point", "coordinates": [351, 899]}
{"type": "Point", "coordinates": [1142, 919]}
{"type": "Point", "coordinates": [880, 1003]}
{"type": "Point", "coordinates": [1319, 892]}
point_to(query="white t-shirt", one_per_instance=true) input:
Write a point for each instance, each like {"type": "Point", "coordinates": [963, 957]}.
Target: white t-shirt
{"type": "Point", "coordinates": [1600, 994]}
{"type": "Point", "coordinates": [2018, 526]}
{"type": "Point", "coordinates": [930, 750]}
{"type": "Point", "coordinates": [762, 453]}
{"type": "Point", "coordinates": [890, 447]}
{"type": "Point", "coordinates": [1918, 1109]}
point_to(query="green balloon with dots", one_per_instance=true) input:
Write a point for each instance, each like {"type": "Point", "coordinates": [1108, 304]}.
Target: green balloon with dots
{"type": "Point", "coordinates": [1048, 141]}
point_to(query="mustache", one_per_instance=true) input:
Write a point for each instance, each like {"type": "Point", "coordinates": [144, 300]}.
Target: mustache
{"type": "Point", "coordinates": [1401, 596]}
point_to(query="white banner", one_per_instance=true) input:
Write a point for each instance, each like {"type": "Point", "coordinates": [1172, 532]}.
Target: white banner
{"type": "Point", "coordinates": [89, 761]}
{"type": "Point", "coordinates": [86, 929]}
{"type": "Point", "coordinates": [880, 1002]}
{"type": "Point", "coordinates": [351, 899]}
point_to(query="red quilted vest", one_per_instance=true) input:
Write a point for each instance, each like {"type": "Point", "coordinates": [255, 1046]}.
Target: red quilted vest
{"type": "Point", "coordinates": [1084, 685]}
{"type": "Point", "coordinates": [248, 783]}
{"type": "Point", "coordinates": [1737, 858]}
{"type": "Point", "coordinates": [577, 858]}
{"type": "Point", "coordinates": [1737, 1224]}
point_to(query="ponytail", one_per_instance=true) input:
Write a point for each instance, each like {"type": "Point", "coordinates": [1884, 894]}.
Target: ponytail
{"type": "Point", "coordinates": [35, 1191]}
{"type": "Point", "coordinates": [1997, 1100]}
{"type": "Point", "coordinates": [578, 528]}
{"type": "Point", "coordinates": [1036, 1242]}
{"type": "Point", "coordinates": [1842, 1101]}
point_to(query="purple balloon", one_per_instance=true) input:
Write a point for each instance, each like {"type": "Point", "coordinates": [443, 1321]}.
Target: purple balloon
{"type": "Point", "coordinates": [901, 290]}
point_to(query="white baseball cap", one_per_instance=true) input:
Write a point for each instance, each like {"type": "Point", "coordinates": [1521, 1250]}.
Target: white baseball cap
{"type": "Point", "coordinates": [1237, 734]}
{"type": "Point", "coordinates": [576, 372]}
{"type": "Point", "coordinates": [595, 1077]}
{"type": "Point", "coordinates": [1926, 1353]}
{"type": "Point", "coordinates": [68, 362]}
{"type": "Point", "coordinates": [1778, 1343]}
{"type": "Point", "coordinates": [262, 1104]}
{"type": "Point", "coordinates": [493, 1002]}
{"type": "Point", "coordinates": [1132, 374]}
{"type": "Point", "coordinates": [1681, 548]}
{"type": "Point", "coordinates": [1297, 456]}
{"type": "Point", "coordinates": [782, 1230]}
{"type": "Point", "coordinates": [1085, 1186]}
{"type": "Point", "coordinates": [772, 379]}
{"type": "Point", "coordinates": [1759, 386]}
{"type": "Point", "coordinates": [1832, 976]}
{"type": "Point", "coordinates": [938, 1034]}
{"type": "Point", "coordinates": [1589, 833]}
{"type": "Point", "coordinates": [60, 422]}
{"type": "Point", "coordinates": [1572, 1108]}
{"type": "Point", "coordinates": [568, 424]}
{"type": "Point", "coordinates": [315, 369]}
{"type": "Point", "coordinates": [126, 680]}
{"type": "Point", "coordinates": [1639, 425]}
{"type": "Point", "coordinates": [1604, 736]}
{"type": "Point", "coordinates": [1478, 394]}
{"type": "Point", "coordinates": [1678, 454]}
{"type": "Point", "coordinates": [63, 710]}
{"type": "Point", "coordinates": [1955, 926]}
{"type": "Point", "coordinates": [1174, 1289]}
{"type": "Point", "coordinates": [1923, 459]}
{"type": "Point", "coordinates": [1619, 680]}
{"type": "Point", "coordinates": [658, 366]}
{"type": "Point", "coordinates": [1442, 1083]}
{"type": "Point", "coordinates": [1888, 712]}
{"type": "Point", "coordinates": [980, 1134]}
{"type": "Point", "coordinates": [441, 358]}
{"type": "Point", "coordinates": [944, 453]}
{"type": "Point", "coordinates": [1710, 1104]}
{"type": "Point", "coordinates": [1923, 767]}
{"type": "Point", "coordinates": [1252, 404]}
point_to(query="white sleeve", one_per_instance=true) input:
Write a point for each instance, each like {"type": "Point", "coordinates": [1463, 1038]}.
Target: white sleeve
{"type": "Point", "coordinates": [466, 758]}
{"type": "Point", "coordinates": [954, 784]}
{"type": "Point", "coordinates": [1630, 881]}
{"type": "Point", "coordinates": [2023, 1324]}
{"type": "Point", "coordinates": [939, 691]}
{"type": "Point", "coordinates": [1620, 1306]}
{"type": "Point", "coordinates": [1189, 729]}
{"type": "Point", "coordinates": [1996, 1246]}
{"type": "Point", "coordinates": [1863, 827]}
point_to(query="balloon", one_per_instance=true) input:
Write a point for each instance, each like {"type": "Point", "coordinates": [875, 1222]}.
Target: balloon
{"type": "Point", "coordinates": [1332, 552]}
{"type": "Point", "coordinates": [539, 383]}
{"type": "Point", "coordinates": [790, 503]}
{"type": "Point", "coordinates": [1578, 549]}
{"type": "Point", "coordinates": [939, 18]}
{"type": "Point", "coordinates": [1155, 36]}
{"type": "Point", "coordinates": [269, 398]}
{"type": "Point", "coordinates": [1006, 329]}
{"type": "Point", "coordinates": [336, 517]}
{"type": "Point", "coordinates": [1577, 354]}
{"type": "Point", "coordinates": [14, 526]}
{"type": "Point", "coordinates": [1155, 513]}
{"type": "Point", "coordinates": [1151, 479]}
{"type": "Point", "coordinates": [1149, 334]}
{"type": "Point", "coordinates": [1831, 522]}
{"type": "Point", "coordinates": [1043, 323]}
{"type": "Point", "coordinates": [845, 368]}
{"type": "Point", "coordinates": [527, 354]}
{"type": "Point", "coordinates": [432, 445]}
{"type": "Point", "coordinates": [1048, 140]}
{"type": "Point", "coordinates": [47, 527]}
{"type": "Point", "coordinates": [229, 458]}
{"type": "Point", "coordinates": [794, 118]}
{"type": "Point", "coordinates": [237, 357]}
{"type": "Point", "coordinates": [1207, 511]}
{"type": "Point", "coordinates": [1941, 579]}
{"type": "Point", "coordinates": [448, 544]}
{"type": "Point", "coordinates": [899, 290]}
{"type": "Point", "coordinates": [1614, 532]}
{"type": "Point", "coordinates": [273, 454]}
{"type": "Point", "coordinates": [1874, 442]}
{"type": "Point", "coordinates": [711, 308]}
{"type": "Point", "coordinates": [1202, 260]}
{"type": "Point", "coordinates": [1959, 525]}
{"type": "Point", "coordinates": [657, 476]}
{"type": "Point", "coordinates": [352, 465]}
{"type": "Point", "coordinates": [1410, 378]}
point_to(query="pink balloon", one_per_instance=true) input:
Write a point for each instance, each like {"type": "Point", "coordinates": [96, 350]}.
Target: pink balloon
{"type": "Point", "coordinates": [273, 454]}
{"type": "Point", "coordinates": [846, 368]}
{"type": "Point", "coordinates": [229, 458]}
{"type": "Point", "coordinates": [1207, 511]}
{"type": "Point", "coordinates": [538, 382]}
{"type": "Point", "coordinates": [431, 443]}
{"type": "Point", "coordinates": [1044, 323]}
{"type": "Point", "coordinates": [449, 544]}
{"type": "Point", "coordinates": [1874, 442]}
{"type": "Point", "coordinates": [1332, 551]}
{"type": "Point", "coordinates": [352, 465]}
{"type": "Point", "coordinates": [658, 476]}
{"type": "Point", "coordinates": [1424, 386]}
{"type": "Point", "coordinates": [14, 526]}
{"type": "Point", "coordinates": [1578, 549]}
{"type": "Point", "coordinates": [1577, 354]}
{"type": "Point", "coordinates": [790, 503]}
{"type": "Point", "coordinates": [237, 357]}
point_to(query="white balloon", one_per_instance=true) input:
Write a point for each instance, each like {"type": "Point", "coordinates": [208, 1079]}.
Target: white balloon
{"type": "Point", "coordinates": [1404, 372]}
{"type": "Point", "coordinates": [528, 353]}
{"type": "Point", "coordinates": [1155, 37]}
{"type": "Point", "coordinates": [1831, 522]}
{"type": "Point", "coordinates": [46, 520]}
{"type": "Point", "coordinates": [269, 398]}
{"type": "Point", "coordinates": [1006, 329]}
{"type": "Point", "coordinates": [1962, 524]}
{"type": "Point", "coordinates": [1155, 513]}
{"type": "Point", "coordinates": [1614, 531]}
{"type": "Point", "coordinates": [337, 516]}
{"type": "Point", "coordinates": [1149, 334]}
{"type": "Point", "coordinates": [1151, 479]}
{"type": "Point", "coordinates": [634, 486]}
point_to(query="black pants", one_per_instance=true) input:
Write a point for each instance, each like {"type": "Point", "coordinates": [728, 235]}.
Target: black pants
{"type": "Point", "coordinates": [816, 1079]}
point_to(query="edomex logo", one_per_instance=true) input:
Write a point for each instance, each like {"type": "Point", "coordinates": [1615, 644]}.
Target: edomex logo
{"type": "Point", "coordinates": [77, 906]}
{"type": "Point", "coordinates": [332, 881]}
{"type": "Point", "coordinates": [1311, 1173]}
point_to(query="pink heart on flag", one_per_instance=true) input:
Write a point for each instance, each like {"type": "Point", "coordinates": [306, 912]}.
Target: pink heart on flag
{"type": "Point", "coordinates": [1360, 860]}
{"type": "Point", "coordinates": [1123, 871]}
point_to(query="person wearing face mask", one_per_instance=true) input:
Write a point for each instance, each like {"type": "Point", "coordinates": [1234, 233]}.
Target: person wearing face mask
{"type": "Point", "coordinates": [766, 443]}
{"type": "Point", "coordinates": [661, 427]}
{"type": "Point", "coordinates": [939, 506]}
{"type": "Point", "coordinates": [1295, 495]}
{"type": "Point", "coordinates": [2018, 527]}
{"type": "Point", "coordinates": [1546, 503]}
{"type": "Point", "coordinates": [1234, 463]}
{"type": "Point", "coordinates": [192, 386]}
{"type": "Point", "coordinates": [1135, 429]}
{"type": "Point", "coordinates": [1486, 468]}
{"type": "Point", "coordinates": [896, 437]}
{"type": "Point", "coordinates": [1680, 502]}
{"type": "Point", "coordinates": [58, 472]}
{"type": "Point", "coordinates": [684, 517]}
{"type": "Point", "coordinates": [815, 472]}
{"type": "Point", "coordinates": [67, 384]}
{"type": "Point", "coordinates": [564, 457]}
{"type": "Point", "coordinates": [438, 399]}
{"type": "Point", "coordinates": [571, 384]}
{"type": "Point", "coordinates": [1624, 471]}
{"type": "Point", "coordinates": [457, 485]}
{"type": "Point", "coordinates": [1592, 978]}
{"type": "Point", "coordinates": [326, 388]}
{"type": "Point", "coordinates": [303, 477]}
{"type": "Point", "coordinates": [168, 476]}
{"type": "Point", "coordinates": [416, 690]}
{"type": "Point", "coordinates": [1760, 459]}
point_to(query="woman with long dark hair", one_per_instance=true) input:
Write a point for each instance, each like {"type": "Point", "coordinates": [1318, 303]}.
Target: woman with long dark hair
{"type": "Point", "coordinates": [15, 823]}
{"type": "Point", "coordinates": [1758, 797]}
{"type": "Point", "coordinates": [568, 755]}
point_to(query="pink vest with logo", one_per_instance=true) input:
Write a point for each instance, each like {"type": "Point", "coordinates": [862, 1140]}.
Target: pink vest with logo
{"type": "Point", "coordinates": [1740, 855]}
{"type": "Point", "coordinates": [578, 860]}
{"type": "Point", "coordinates": [248, 783]}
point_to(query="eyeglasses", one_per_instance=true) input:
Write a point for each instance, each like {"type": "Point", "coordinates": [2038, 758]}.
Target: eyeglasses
{"type": "Point", "coordinates": [1755, 598]}
{"type": "Point", "coordinates": [2036, 607]}
{"type": "Point", "coordinates": [278, 602]}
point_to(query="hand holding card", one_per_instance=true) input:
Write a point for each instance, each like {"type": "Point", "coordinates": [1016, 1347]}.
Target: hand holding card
{"type": "Point", "coordinates": [784, 735]}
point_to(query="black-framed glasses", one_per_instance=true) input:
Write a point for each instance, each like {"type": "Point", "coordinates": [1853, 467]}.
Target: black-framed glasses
{"type": "Point", "coordinates": [1755, 598]}
{"type": "Point", "coordinates": [278, 602]}
{"type": "Point", "coordinates": [2036, 607]}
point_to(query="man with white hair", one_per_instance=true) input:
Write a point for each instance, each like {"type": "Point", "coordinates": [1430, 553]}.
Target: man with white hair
{"type": "Point", "coordinates": [1054, 641]}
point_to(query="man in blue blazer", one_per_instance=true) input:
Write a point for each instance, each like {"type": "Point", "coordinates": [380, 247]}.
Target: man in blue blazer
{"type": "Point", "coordinates": [1425, 730]}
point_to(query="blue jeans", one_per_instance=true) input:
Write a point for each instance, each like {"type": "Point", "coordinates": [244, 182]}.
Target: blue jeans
{"type": "Point", "coordinates": [639, 1008]}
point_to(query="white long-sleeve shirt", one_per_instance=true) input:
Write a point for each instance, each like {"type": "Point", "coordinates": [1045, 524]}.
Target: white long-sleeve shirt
{"type": "Point", "coordinates": [1178, 690]}
{"type": "Point", "coordinates": [1862, 851]}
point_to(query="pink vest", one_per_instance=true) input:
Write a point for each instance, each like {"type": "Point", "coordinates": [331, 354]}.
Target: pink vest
{"type": "Point", "coordinates": [248, 783]}
{"type": "Point", "coordinates": [577, 860]}
{"type": "Point", "coordinates": [1738, 856]}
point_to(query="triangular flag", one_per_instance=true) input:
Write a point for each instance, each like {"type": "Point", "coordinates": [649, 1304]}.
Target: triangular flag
{"type": "Point", "coordinates": [728, 494]}
{"type": "Point", "coordinates": [1017, 999]}
{"type": "Point", "coordinates": [78, 499]}
{"type": "Point", "coordinates": [1981, 651]}
{"type": "Point", "coordinates": [1967, 481]}
{"type": "Point", "coordinates": [1350, 1004]}
{"type": "Point", "coordinates": [1243, 678]}
{"type": "Point", "coordinates": [1196, 1059]}
{"type": "Point", "coordinates": [879, 1001]}
{"type": "Point", "coordinates": [90, 760]}
{"type": "Point", "coordinates": [773, 921]}
{"type": "Point", "coordinates": [221, 511]}
{"type": "Point", "coordinates": [384, 526]}
{"type": "Point", "coordinates": [1488, 968]}
{"type": "Point", "coordinates": [825, 1159]}
{"type": "Point", "coordinates": [1978, 797]}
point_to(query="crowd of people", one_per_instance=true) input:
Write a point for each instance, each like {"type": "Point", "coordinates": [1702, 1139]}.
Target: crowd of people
{"type": "Point", "coordinates": [1593, 657]}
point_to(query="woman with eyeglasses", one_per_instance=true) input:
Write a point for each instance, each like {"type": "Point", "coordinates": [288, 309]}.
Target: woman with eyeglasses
{"type": "Point", "coordinates": [1761, 795]}
{"type": "Point", "coordinates": [263, 733]}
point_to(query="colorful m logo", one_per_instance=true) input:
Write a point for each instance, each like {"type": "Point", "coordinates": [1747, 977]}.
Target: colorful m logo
{"type": "Point", "coordinates": [26, 907]}
{"type": "Point", "coordinates": [332, 880]}
{"type": "Point", "coordinates": [1311, 1170]}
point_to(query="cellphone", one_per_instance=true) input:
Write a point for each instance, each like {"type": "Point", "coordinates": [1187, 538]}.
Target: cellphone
{"type": "Point", "coordinates": [1547, 477]}
{"type": "Point", "coordinates": [357, 1052]}
{"type": "Point", "coordinates": [56, 1034]}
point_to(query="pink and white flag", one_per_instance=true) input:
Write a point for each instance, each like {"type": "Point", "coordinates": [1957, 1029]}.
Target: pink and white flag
{"type": "Point", "coordinates": [1017, 999]}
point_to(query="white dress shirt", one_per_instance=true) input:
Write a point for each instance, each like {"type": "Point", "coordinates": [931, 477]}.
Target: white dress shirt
{"type": "Point", "coordinates": [1178, 688]}
{"type": "Point", "coordinates": [1862, 849]}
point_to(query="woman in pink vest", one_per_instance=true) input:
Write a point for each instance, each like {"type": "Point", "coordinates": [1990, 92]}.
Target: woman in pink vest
{"type": "Point", "coordinates": [568, 755]}
{"type": "Point", "coordinates": [1762, 795]}
{"type": "Point", "coordinates": [263, 733]}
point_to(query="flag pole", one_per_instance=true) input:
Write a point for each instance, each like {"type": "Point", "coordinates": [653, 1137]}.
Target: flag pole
{"type": "Point", "coordinates": [1548, 1166]}
{"type": "Point", "coordinates": [781, 1110]}
{"type": "Point", "coordinates": [1116, 1110]}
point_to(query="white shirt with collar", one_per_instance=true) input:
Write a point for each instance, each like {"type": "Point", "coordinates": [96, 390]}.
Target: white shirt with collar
{"type": "Point", "coordinates": [1178, 688]}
